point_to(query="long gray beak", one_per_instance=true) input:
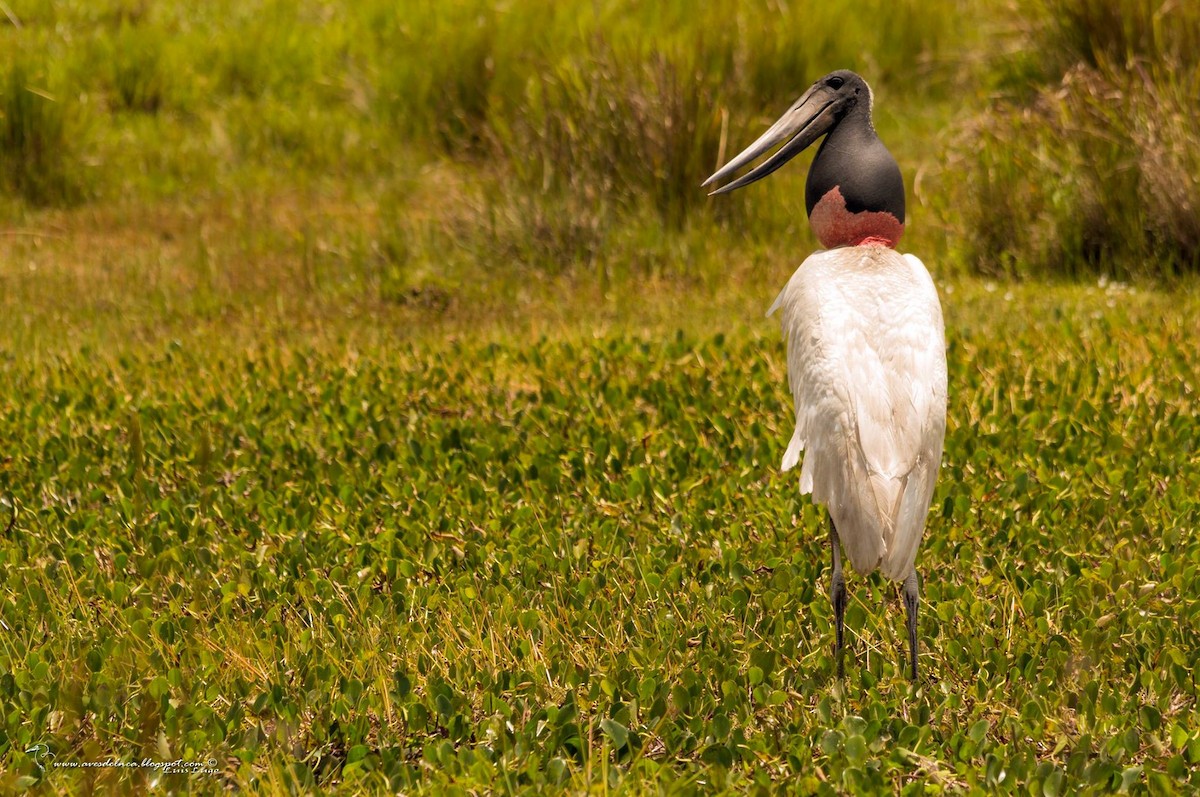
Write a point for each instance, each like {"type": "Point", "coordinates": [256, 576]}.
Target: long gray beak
{"type": "Point", "coordinates": [809, 118]}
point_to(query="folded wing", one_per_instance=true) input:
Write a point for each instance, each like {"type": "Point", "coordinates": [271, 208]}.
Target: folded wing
{"type": "Point", "coordinates": [867, 370]}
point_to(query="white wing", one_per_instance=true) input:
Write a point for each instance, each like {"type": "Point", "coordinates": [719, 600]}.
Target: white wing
{"type": "Point", "coordinates": [867, 369]}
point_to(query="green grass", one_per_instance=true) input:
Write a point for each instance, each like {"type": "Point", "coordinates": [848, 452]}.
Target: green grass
{"type": "Point", "coordinates": [329, 558]}
{"type": "Point", "coordinates": [36, 161]}
{"type": "Point", "coordinates": [379, 422]}
{"type": "Point", "coordinates": [1053, 141]}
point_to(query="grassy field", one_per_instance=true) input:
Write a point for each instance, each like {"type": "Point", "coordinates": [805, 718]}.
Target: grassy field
{"type": "Point", "coordinates": [337, 557]}
{"type": "Point", "coordinates": [376, 422]}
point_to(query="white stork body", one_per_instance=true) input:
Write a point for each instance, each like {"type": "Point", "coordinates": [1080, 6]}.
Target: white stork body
{"type": "Point", "coordinates": [866, 358]}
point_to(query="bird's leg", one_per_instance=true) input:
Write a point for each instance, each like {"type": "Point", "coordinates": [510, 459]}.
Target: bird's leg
{"type": "Point", "coordinates": [837, 593]}
{"type": "Point", "coordinates": [912, 596]}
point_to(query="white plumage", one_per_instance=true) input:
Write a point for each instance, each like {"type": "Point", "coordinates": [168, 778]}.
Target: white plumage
{"type": "Point", "coordinates": [867, 369]}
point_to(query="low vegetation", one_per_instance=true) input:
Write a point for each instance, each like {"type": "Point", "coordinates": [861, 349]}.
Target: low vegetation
{"type": "Point", "coordinates": [506, 566]}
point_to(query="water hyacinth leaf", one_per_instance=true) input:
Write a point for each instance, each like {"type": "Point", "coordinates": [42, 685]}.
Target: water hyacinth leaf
{"type": "Point", "coordinates": [616, 733]}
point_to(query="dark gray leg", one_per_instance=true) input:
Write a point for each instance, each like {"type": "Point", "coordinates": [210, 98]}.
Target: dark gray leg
{"type": "Point", "coordinates": [912, 596]}
{"type": "Point", "coordinates": [837, 593]}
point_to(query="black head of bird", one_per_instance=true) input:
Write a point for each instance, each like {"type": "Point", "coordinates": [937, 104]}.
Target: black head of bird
{"type": "Point", "coordinates": [855, 193]}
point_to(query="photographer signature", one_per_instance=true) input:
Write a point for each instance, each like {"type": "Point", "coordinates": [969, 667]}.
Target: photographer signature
{"type": "Point", "coordinates": [40, 753]}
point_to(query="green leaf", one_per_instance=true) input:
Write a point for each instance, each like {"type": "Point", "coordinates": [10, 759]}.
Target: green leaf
{"type": "Point", "coordinates": [159, 687]}
{"type": "Point", "coordinates": [831, 742]}
{"type": "Point", "coordinates": [856, 749]}
{"type": "Point", "coordinates": [1052, 784]}
{"type": "Point", "coordinates": [616, 732]}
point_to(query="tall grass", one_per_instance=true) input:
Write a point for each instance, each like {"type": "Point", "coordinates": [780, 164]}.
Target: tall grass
{"type": "Point", "coordinates": [577, 125]}
{"type": "Point", "coordinates": [601, 130]}
{"type": "Point", "coordinates": [1098, 170]}
{"type": "Point", "coordinates": [1101, 33]}
{"type": "Point", "coordinates": [435, 73]}
{"type": "Point", "coordinates": [139, 78]}
{"type": "Point", "coordinates": [588, 122]}
{"type": "Point", "coordinates": [616, 105]}
{"type": "Point", "coordinates": [37, 157]}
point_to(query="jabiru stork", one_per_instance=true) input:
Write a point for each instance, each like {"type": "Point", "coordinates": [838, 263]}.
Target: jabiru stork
{"type": "Point", "coordinates": [866, 349]}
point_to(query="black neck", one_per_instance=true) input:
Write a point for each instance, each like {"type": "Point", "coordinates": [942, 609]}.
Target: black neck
{"type": "Point", "coordinates": [854, 160]}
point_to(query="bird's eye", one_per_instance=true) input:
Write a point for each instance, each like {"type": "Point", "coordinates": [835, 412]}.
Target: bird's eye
{"type": "Point", "coordinates": [835, 83]}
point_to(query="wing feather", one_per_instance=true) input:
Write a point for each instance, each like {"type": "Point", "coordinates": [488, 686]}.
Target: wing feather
{"type": "Point", "coordinates": [867, 371]}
